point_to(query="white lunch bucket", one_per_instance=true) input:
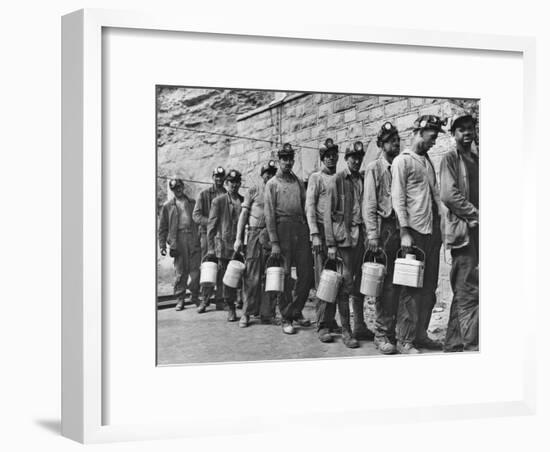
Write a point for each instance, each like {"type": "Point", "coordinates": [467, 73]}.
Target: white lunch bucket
{"type": "Point", "coordinates": [209, 273]}
{"type": "Point", "coordinates": [329, 283]}
{"type": "Point", "coordinates": [233, 272]}
{"type": "Point", "coordinates": [372, 276]}
{"type": "Point", "coordinates": [408, 270]}
{"type": "Point", "coordinates": [274, 277]}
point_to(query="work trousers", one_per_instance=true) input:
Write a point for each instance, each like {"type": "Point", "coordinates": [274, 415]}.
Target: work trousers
{"type": "Point", "coordinates": [387, 303]}
{"type": "Point", "coordinates": [463, 327]}
{"type": "Point", "coordinates": [416, 304]}
{"type": "Point", "coordinates": [295, 249]}
{"type": "Point", "coordinates": [352, 259]}
{"type": "Point", "coordinates": [325, 312]}
{"type": "Point", "coordinates": [255, 299]}
{"type": "Point", "coordinates": [186, 264]}
{"type": "Point", "coordinates": [207, 292]}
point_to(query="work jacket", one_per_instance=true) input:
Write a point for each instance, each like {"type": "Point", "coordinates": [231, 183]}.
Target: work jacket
{"type": "Point", "coordinates": [338, 218]}
{"type": "Point", "coordinates": [201, 211]}
{"type": "Point", "coordinates": [221, 231]}
{"type": "Point", "coordinates": [316, 199]}
{"type": "Point", "coordinates": [457, 210]}
{"type": "Point", "coordinates": [414, 191]}
{"type": "Point", "coordinates": [377, 196]}
{"type": "Point", "coordinates": [169, 221]}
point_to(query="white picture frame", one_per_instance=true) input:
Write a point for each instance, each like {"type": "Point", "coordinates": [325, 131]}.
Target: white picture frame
{"type": "Point", "coordinates": [83, 347]}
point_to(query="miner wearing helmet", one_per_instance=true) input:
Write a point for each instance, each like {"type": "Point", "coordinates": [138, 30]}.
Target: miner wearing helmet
{"type": "Point", "coordinates": [344, 230]}
{"type": "Point", "coordinates": [315, 208]}
{"type": "Point", "coordinates": [200, 216]}
{"type": "Point", "coordinates": [179, 232]}
{"type": "Point", "coordinates": [284, 203]}
{"type": "Point", "coordinates": [221, 232]}
{"type": "Point", "coordinates": [383, 232]}
{"type": "Point", "coordinates": [459, 173]}
{"type": "Point", "coordinates": [255, 300]}
{"type": "Point", "coordinates": [415, 199]}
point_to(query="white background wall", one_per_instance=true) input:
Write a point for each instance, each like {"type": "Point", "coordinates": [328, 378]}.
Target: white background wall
{"type": "Point", "coordinates": [30, 228]}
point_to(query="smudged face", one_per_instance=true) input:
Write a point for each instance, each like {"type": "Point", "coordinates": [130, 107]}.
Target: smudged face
{"type": "Point", "coordinates": [330, 159]}
{"type": "Point", "coordinates": [392, 146]}
{"type": "Point", "coordinates": [218, 181]}
{"type": "Point", "coordinates": [286, 162]}
{"type": "Point", "coordinates": [428, 138]}
{"type": "Point", "coordinates": [354, 162]}
{"type": "Point", "coordinates": [178, 191]}
{"type": "Point", "coordinates": [232, 187]}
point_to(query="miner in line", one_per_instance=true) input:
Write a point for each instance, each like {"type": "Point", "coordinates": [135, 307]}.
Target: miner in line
{"type": "Point", "coordinates": [221, 233]}
{"type": "Point", "coordinates": [284, 203]}
{"type": "Point", "coordinates": [383, 233]}
{"type": "Point", "coordinates": [201, 213]}
{"type": "Point", "coordinates": [345, 236]}
{"type": "Point", "coordinates": [459, 175]}
{"type": "Point", "coordinates": [315, 208]}
{"type": "Point", "coordinates": [180, 233]}
{"type": "Point", "coordinates": [415, 199]}
{"type": "Point", "coordinates": [256, 301]}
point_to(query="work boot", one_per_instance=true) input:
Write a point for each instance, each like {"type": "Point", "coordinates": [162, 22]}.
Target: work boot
{"type": "Point", "coordinates": [195, 300]}
{"type": "Point", "coordinates": [232, 315]}
{"type": "Point", "coordinates": [349, 341]}
{"type": "Point", "coordinates": [287, 327]}
{"type": "Point", "coordinates": [301, 321]}
{"type": "Point", "coordinates": [324, 335]}
{"type": "Point", "coordinates": [335, 328]}
{"type": "Point", "coordinates": [201, 308]}
{"type": "Point", "coordinates": [384, 345]}
{"type": "Point", "coordinates": [428, 343]}
{"type": "Point", "coordinates": [180, 306]}
{"type": "Point", "coordinates": [243, 322]}
{"type": "Point", "coordinates": [407, 348]}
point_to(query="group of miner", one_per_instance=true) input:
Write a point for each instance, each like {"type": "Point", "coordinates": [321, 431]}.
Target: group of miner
{"type": "Point", "coordinates": [395, 205]}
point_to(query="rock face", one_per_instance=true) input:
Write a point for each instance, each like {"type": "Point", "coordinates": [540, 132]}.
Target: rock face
{"type": "Point", "coordinates": [192, 154]}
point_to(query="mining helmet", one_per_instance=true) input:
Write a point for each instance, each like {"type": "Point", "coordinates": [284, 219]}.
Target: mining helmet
{"type": "Point", "coordinates": [233, 176]}
{"type": "Point", "coordinates": [287, 150]}
{"type": "Point", "coordinates": [428, 122]}
{"type": "Point", "coordinates": [175, 183]}
{"type": "Point", "coordinates": [219, 171]}
{"type": "Point", "coordinates": [327, 146]}
{"type": "Point", "coordinates": [356, 149]}
{"type": "Point", "coordinates": [458, 118]}
{"type": "Point", "coordinates": [387, 131]}
{"type": "Point", "coordinates": [268, 167]}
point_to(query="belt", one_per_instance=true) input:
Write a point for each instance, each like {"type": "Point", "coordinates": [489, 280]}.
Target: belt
{"type": "Point", "coordinates": [255, 228]}
{"type": "Point", "coordinates": [290, 220]}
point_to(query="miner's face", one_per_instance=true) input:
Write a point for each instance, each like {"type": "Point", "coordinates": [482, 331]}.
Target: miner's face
{"type": "Point", "coordinates": [465, 132]}
{"type": "Point", "coordinates": [178, 191]}
{"type": "Point", "coordinates": [330, 159]}
{"type": "Point", "coordinates": [428, 138]}
{"type": "Point", "coordinates": [286, 162]}
{"type": "Point", "coordinates": [392, 146]}
{"type": "Point", "coordinates": [218, 181]}
{"type": "Point", "coordinates": [354, 162]}
{"type": "Point", "coordinates": [266, 176]}
{"type": "Point", "coordinates": [233, 186]}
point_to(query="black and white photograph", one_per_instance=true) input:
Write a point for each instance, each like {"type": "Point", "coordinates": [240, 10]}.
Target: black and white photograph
{"type": "Point", "coordinates": [305, 225]}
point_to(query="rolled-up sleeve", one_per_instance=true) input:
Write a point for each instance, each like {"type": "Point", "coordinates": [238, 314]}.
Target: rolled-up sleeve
{"type": "Point", "coordinates": [399, 190]}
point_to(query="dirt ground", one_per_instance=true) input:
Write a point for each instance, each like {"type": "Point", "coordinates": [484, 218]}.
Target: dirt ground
{"type": "Point", "coordinates": [186, 337]}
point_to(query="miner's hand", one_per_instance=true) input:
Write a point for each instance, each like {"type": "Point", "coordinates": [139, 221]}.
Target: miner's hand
{"type": "Point", "coordinates": [332, 252]}
{"type": "Point", "coordinates": [316, 244]}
